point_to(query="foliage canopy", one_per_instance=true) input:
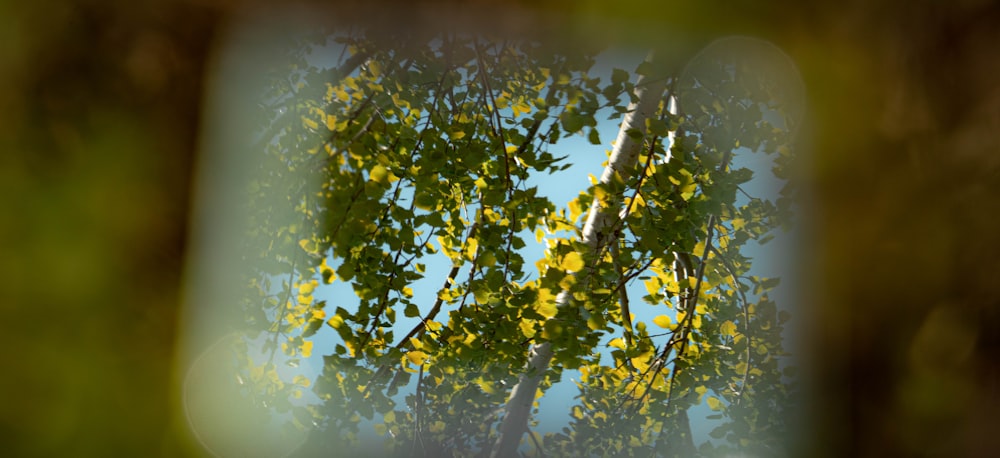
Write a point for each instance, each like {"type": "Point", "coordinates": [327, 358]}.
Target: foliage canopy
{"type": "Point", "coordinates": [409, 147]}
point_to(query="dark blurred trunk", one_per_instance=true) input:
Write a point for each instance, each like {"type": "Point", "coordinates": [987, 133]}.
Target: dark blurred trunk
{"type": "Point", "coordinates": [98, 118]}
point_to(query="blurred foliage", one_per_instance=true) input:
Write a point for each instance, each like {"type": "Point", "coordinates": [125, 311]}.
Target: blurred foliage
{"type": "Point", "coordinates": [98, 114]}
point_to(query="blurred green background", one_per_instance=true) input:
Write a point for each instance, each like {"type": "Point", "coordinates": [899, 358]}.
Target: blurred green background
{"type": "Point", "coordinates": [100, 110]}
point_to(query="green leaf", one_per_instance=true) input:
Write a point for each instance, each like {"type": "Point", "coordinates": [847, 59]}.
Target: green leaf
{"type": "Point", "coordinates": [619, 76]}
{"type": "Point", "coordinates": [644, 69]}
{"type": "Point", "coordinates": [312, 328]}
{"type": "Point", "coordinates": [594, 137]}
{"type": "Point", "coordinates": [572, 122]}
{"type": "Point", "coordinates": [657, 127]}
{"type": "Point", "coordinates": [719, 431]}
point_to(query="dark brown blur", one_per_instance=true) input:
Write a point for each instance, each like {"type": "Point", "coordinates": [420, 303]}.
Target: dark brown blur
{"type": "Point", "coordinates": [906, 171]}
{"type": "Point", "coordinates": [99, 109]}
{"type": "Point", "coordinates": [99, 117]}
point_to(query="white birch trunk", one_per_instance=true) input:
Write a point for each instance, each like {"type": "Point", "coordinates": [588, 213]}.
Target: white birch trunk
{"type": "Point", "coordinates": [623, 161]}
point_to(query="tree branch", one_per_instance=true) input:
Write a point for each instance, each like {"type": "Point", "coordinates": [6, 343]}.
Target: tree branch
{"type": "Point", "coordinates": [622, 161]}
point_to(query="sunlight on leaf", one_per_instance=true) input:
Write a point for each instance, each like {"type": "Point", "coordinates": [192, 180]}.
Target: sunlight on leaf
{"type": "Point", "coordinates": [416, 357]}
{"type": "Point", "coordinates": [663, 321]}
{"type": "Point", "coordinates": [572, 262]}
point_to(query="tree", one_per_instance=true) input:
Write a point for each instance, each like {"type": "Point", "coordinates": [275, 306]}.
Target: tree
{"type": "Point", "coordinates": [414, 146]}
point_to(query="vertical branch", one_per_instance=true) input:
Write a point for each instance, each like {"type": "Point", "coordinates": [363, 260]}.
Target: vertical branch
{"type": "Point", "coordinates": [622, 295]}
{"type": "Point", "coordinates": [600, 218]}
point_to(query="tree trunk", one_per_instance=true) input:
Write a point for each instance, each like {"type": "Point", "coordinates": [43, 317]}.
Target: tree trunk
{"type": "Point", "coordinates": [623, 161]}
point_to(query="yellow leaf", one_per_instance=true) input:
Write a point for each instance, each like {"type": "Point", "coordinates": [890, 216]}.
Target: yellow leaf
{"type": "Point", "coordinates": [485, 386]}
{"type": "Point", "coordinates": [596, 322]}
{"type": "Point", "coordinates": [308, 288]}
{"type": "Point", "coordinates": [336, 322]}
{"type": "Point", "coordinates": [542, 265]}
{"type": "Point", "coordinates": [380, 429]}
{"type": "Point", "coordinates": [714, 403]}
{"type": "Point", "coordinates": [546, 309]}
{"type": "Point", "coordinates": [699, 249]}
{"type": "Point", "coordinates": [309, 246]}
{"type": "Point", "coordinates": [310, 123]}
{"type": "Point", "coordinates": [601, 196]}
{"type": "Point", "coordinates": [575, 209]}
{"type": "Point", "coordinates": [416, 357]}
{"type": "Point", "coordinates": [471, 246]}
{"type": "Point", "coordinates": [723, 242]}
{"type": "Point", "coordinates": [326, 272]}
{"type": "Point", "coordinates": [301, 380]}
{"type": "Point", "coordinates": [389, 417]}
{"type": "Point", "coordinates": [728, 328]}
{"type": "Point", "coordinates": [527, 327]}
{"type": "Point", "coordinates": [342, 95]}
{"type": "Point", "coordinates": [639, 201]}
{"type": "Point", "coordinates": [617, 343]}
{"type": "Point", "coordinates": [351, 83]}
{"type": "Point", "coordinates": [572, 262]}
{"type": "Point", "coordinates": [652, 285]}
{"type": "Point", "coordinates": [520, 108]}
{"type": "Point", "coordinates": [306, 349]}
{"type": "Point", "coordinates": [379, 173]}
{"type": "Point", "coordinates": [662, 321]}
{"type": "Point", "coordinates": [482, 184]}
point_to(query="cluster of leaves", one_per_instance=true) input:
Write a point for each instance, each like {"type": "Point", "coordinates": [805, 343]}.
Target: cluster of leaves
{"type": "Point", "coordinates": [413, 146]}
{"type": "Point", "coordinates": [682, 233]}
